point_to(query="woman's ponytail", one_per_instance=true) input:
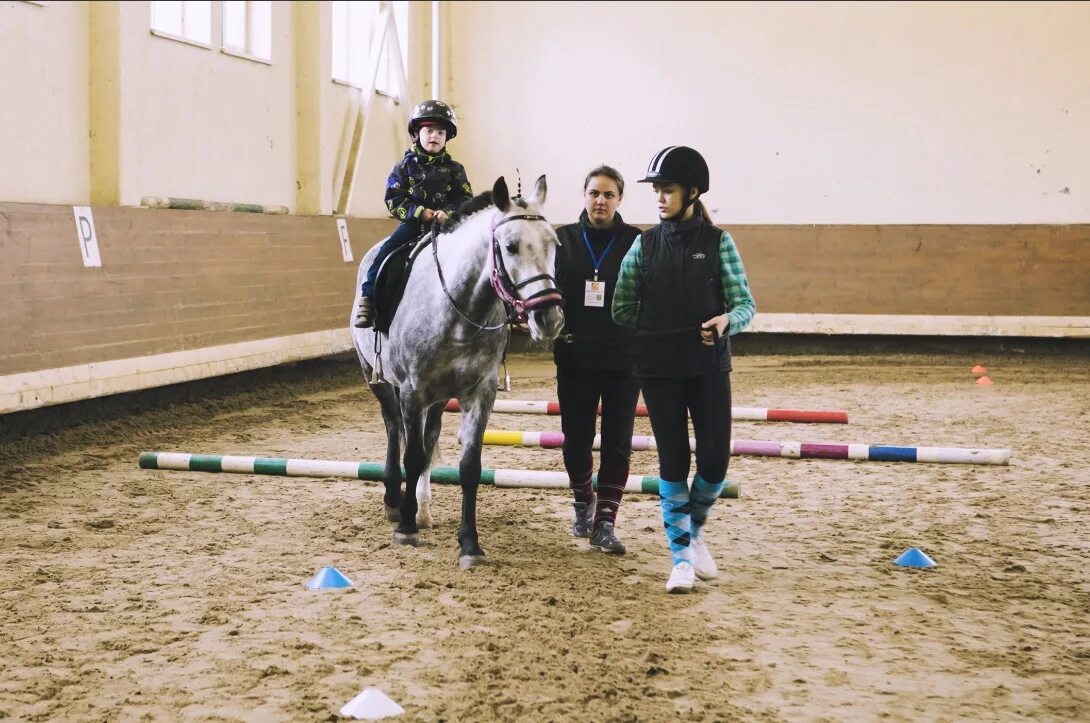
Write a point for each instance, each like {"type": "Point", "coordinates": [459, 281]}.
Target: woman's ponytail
{"type": "Point", "coordinates": [703, 210]}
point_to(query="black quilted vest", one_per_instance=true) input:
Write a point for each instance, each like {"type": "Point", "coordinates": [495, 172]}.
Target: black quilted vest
{"type": "Point", "coordinates": [590, 339]}
{"type": "Point", "coordinates": [681, 288]}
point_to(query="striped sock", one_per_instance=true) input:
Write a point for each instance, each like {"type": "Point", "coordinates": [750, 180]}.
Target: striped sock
{"type": "Point", "coordinates": [610, 491]}
{"type": "Point", "coordinates": [701, 499]}
{"type": "Point", "coordinates": [674, 499]}
{"type": "Point", "coordinates": [580, 483]}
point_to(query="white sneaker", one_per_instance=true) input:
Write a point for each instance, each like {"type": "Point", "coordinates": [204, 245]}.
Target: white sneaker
{"type": "Point", "coordinates": [703, 563]}
{"type": "Point", "coordinates": [681, 578]}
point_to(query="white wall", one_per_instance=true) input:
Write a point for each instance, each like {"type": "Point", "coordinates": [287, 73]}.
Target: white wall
{"type": "Point", "coordinates": [193, 122]}
{"type": "Point", "coordinates": [199, 123]}
{"type": "Point", "coordinates": [807, 112]}
{"type": "Point", "coordinates": [44, 103]}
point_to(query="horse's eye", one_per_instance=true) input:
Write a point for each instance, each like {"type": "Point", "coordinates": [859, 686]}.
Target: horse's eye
{"type": "Point", "coordinates": [512, 247]}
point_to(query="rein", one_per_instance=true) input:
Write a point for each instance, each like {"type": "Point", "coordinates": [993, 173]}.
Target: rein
{"type": "Point", "coordinates": [516, 308]}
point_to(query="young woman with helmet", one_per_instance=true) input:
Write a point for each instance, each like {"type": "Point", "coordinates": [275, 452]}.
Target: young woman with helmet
{"type": "Point", "coordinates": [683, 287]}
{"type": "Point", "coordinates": [426, 185]}
{"type": "Point", "coordinates": [594, 359]}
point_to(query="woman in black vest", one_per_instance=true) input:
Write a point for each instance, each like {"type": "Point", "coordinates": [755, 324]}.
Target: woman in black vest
{"type": "Point", "coordinates": [683, 286]}
{"type": "Point", "coordinates": [594, 358]}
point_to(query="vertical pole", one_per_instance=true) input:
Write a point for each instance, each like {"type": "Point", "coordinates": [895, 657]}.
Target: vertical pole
{"type": "Point", "coordinates": [104, 81]}
{"type": "Point", "coordinates": [436, 64]}
{"type": "Point", "coordinates": [310, 71]}
{"type": "Point", "coordinates": [395, 57]}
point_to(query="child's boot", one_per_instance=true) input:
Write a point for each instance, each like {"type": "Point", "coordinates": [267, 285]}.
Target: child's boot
{"type": "Point", "coordinates": [365, 313]}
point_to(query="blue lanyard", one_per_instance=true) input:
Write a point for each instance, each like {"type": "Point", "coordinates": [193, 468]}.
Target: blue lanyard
{"type": "Point", "coordinates": [597, 260]}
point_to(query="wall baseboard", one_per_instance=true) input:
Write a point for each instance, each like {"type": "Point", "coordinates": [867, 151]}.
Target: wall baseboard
{"type": "Point", "coordinates": [1074, 327]}
{"type": "Point", "coordinates": [31, 390]}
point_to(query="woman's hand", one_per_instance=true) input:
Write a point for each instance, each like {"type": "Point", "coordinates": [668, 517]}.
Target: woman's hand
{"type": "Point", "coordinates": [441, 217]}
{"type": "Point", "coordinates": [719, 323]}
{"type": "Point", "coordinates": [426, 215]}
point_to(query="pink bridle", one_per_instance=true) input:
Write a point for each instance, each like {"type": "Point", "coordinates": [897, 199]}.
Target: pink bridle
{"type": "Point", "coordinates": [507, 290]}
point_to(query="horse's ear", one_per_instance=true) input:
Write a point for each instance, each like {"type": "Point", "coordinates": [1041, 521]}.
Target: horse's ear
{"type": "Point", "coordinates": [500, 195]}
{"type": "Point", "coordinates": [540, 188]}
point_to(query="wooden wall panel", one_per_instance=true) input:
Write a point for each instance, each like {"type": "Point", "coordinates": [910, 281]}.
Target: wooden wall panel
{"type": "Point", "coordinates": [183, 280]}
{"type": "Point", "coordinates": [170, 281]}
{"type": "Point", "coordinates": [1030, 270]}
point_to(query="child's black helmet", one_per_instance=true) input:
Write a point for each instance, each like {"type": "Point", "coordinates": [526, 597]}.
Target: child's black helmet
{"type": "Point", "coordinates": [433, 110]}
{"type": "Point", "coordinates": [678, 164]}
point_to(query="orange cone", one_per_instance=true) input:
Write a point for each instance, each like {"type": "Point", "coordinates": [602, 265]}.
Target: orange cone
{"type": "Point", "coordinates": [978, 369]}
{"type": "Point", "coordinates": [984, 382]}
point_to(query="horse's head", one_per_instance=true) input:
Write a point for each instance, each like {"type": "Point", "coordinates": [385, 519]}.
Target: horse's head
{"type": "Point", "coordinates": [524, 249]}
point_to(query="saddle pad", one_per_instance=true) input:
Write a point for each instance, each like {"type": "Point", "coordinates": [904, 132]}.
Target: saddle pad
{"type": "Point", "coordinates": [392, 278]}
{"type": "Point", "coordinates": [393, 275]}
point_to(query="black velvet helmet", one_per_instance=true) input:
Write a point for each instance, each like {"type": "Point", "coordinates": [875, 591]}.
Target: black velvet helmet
{"type": "Point", "coordinates": [678, 164]}
{"type": "Point", "coordinates": [433, 110]}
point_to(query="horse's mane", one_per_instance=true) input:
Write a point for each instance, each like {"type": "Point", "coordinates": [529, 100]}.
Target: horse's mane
{"type": "Point", "coordinates": [478, 203]}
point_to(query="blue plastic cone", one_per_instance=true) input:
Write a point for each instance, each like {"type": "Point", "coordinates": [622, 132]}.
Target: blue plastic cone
{"type": "Point", "coordinates": [328, 577]}
{"type": "Point", "coordinates": [914, 557]}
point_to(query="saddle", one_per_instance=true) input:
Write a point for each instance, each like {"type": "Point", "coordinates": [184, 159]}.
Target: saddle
{"type": "Point", "coordinates": [393, 276]}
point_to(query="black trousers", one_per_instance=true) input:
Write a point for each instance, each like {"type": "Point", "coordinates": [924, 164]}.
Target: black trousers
{"type": "Point", "coordinates": [579, 392]}
{"type": "Point", "coordinates": [705, 400]}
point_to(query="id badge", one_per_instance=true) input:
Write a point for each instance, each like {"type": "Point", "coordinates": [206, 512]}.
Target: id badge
{"type": "Point", "coordinates": [595, 294]}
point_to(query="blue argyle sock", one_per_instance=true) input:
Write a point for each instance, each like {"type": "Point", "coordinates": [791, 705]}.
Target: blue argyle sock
{"type": "Point", "coordinates": [674, 499]}
{"type": "Point", "coordinates": [701, 499]}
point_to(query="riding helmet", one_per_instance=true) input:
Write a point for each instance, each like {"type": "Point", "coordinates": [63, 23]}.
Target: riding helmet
{"type": "Point", "coordinates": [433, 110]}
{"type": "Point", "coordinates": [678, 164]}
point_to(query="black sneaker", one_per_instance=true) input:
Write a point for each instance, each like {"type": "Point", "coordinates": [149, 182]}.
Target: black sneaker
{"type": "Point", "coordinates": [604, 539]}
{"type": "Point", "coordinates": [584, 516]}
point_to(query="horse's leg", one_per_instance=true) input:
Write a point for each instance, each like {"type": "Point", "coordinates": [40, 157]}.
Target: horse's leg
{"type": "Point", "coordinates": [407, 533]}
{"type": "Point", "coordinates": [476, 409]}
{"type": "Point", "coordinates": [433, 424]}
{"type": "Point", "coordinates": [391, 476]}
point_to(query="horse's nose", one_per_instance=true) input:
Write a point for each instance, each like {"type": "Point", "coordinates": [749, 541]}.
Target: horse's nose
{"type": "Point", "coordinates": [546, 323]}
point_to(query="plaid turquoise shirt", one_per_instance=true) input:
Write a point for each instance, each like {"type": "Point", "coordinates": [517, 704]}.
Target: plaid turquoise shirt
{"type": "Point", "coordinates": [736, 294]}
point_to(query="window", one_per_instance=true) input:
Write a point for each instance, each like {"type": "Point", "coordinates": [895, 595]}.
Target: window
{"type": "Point", "coordinates": [354, 25]}
{"type": "Point", "coordinates": [247, 28]}
{"type": "Point", "coordinates": [183, 19]}
{"type": "Point", "coordinates": [387, 73]}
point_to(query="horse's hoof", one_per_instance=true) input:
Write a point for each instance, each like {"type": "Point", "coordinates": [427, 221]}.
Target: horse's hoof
{"type": "Point", "coordinates": [423, 519]}
{"type": "Point", "coordinates": [393, 514]}
{"type": "Point", "coordinates": [467, 561]}
{"type": "Point", "coordinates": [406, 538]}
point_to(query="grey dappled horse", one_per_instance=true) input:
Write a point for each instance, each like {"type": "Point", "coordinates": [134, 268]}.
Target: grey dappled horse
{"type": "Point", "coordinates": [447, 341]}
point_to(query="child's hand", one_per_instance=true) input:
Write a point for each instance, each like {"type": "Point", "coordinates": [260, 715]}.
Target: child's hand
{"type": "Point", "coordinates": [426, 215]}
{"type": "Point", "coordinates": [719, 323]}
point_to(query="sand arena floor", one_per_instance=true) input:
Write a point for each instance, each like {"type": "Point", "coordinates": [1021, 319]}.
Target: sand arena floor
{"type": "Point", "coordinates": [128, 594]}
